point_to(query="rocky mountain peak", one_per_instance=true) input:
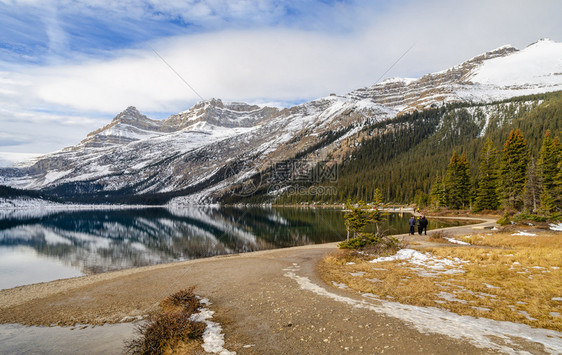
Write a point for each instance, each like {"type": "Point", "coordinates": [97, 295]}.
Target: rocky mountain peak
{"type": "Point", "coordinates": [542, 41]}
{"type": "Point", "coordinates": [222, 114]}
{"type": "Point", "coordinates": [130, 115]}
{"type": "Point", "coordinates": [129, 125]}
{"type": "Point", "coordinates": [498, 52]}
{"type": "Point", "coordinates": [213, 102]}
{"type": "Point", "coordinates": [217, 104]}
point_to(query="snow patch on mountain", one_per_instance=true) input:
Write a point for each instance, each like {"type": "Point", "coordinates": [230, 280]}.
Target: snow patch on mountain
{"type": "Point", "coordinates": [11, 204]}
{"type": "Point", "coordinates": [405, 81]}
{"type": "Point", "coordinates": [214, 145]}
{"type": "Point", "coordinates": [538, 65]}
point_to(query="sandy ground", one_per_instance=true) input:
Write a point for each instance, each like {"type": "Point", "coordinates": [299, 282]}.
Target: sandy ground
{"type": "Point", "coordinates": [261, 310]}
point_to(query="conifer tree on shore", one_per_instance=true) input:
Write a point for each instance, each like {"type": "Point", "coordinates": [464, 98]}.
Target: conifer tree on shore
{"type": "Point", "coordinates": [457, 182]}
{"type": "Point", "coordinates": [487, 193]}
{"type": "Point", "coordinates": [378, 214]}
{"type": "Point", "coordinates": [558, 185]}
{"type": "Point", "coordinates": [465, 180]}
{"type": "Point", "coordinates": [531, 195]}
{"type": "Point", "coordinates": [437, 194]}
{"type": "Point", "coordinates": [548, 171]}
{"type": "Point", "coordinates": [513, 170]}
{"type": "Point", "coordinates": [356, 218]}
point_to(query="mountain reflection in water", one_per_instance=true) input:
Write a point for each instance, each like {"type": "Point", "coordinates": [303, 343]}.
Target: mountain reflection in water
{"type": "Point", "coordinates": [71, 243]}
{"type": "Point", "coordinates": [94, 241]}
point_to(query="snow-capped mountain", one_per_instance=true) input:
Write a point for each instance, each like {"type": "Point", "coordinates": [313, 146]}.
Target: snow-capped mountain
{"type": "Point", "coordinates": [495, 75]}
{"type": "Point", "coordinates": [198, 155]}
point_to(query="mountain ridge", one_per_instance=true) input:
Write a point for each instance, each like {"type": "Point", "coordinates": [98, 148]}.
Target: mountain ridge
{"type": "Point", "coordinates": [201, 153]}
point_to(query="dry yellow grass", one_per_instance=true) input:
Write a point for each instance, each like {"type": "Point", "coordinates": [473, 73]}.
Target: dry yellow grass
{"type": "Point", "coordinates": [170, 330]}
{"type": "Point", "coordinates": [503, 277]}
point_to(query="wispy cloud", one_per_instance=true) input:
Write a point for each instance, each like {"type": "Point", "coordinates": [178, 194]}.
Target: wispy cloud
{"type": "Point", "coordinates": [12, 139]}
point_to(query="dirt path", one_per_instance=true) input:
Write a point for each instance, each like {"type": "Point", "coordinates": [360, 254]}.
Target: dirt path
{"type": "Point", "coordinates": [258, 297]}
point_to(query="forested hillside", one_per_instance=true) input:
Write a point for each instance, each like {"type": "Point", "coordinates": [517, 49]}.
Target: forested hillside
{"type": "Point", "coordinates": [404, 156]}
{"type": "Point", "coordinates": [11, 193]}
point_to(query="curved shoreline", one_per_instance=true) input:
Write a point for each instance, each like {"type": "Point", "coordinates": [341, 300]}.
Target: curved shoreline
{"type": "Point", "coordinates": [258, 298]}
{"type": "Point", "coordinates": [27, 293]}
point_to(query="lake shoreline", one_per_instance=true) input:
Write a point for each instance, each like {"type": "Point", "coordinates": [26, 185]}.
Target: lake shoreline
{"type": "Point", "coordinates": [258, 299]}
{"type": "Point", "coordinates": [26, 294]}
{"type": "Point", "coordinates": [45, 245]}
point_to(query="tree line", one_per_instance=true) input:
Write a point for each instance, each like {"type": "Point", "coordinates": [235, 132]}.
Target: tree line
{"type": "Point", "coordinates": [405, 157]}
{"type": "Point", "coordinates": [513, 179]}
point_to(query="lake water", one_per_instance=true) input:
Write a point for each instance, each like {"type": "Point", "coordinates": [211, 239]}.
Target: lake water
{"type": "Point", "coordinates": [38, 246]}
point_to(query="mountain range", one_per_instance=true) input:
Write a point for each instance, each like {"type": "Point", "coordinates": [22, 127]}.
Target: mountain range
{"type": "Point", "coordinates": [216, 149]}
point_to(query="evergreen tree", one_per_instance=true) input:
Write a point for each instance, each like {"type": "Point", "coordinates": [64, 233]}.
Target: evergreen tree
{"type": "Point", "coordinates": [457, 182]}
{"type": "Point", "coordinates": [442, 190]}
{"type": "Point", "coordinates": [401, 155]}
{"type": "Point", "coordinates": [487, 194]}
{"type": "Point", "coordinates": [548, 169]}
{"type": "Point", "coordinates": [378, 215]}
{"type": "Point", "coordinates": [421, 199]}
{"type": "Point", "coordinates": [437, 193]}
{"type": "Point", "coordinates": [452, 194]}
{"type": "Point", "coordinates": [558, 185]}
{"type": "Point", "coordinates": [356, 218]}
{"type": "Point", "coordinates": [513, 169]}
{"type": "Point", "coordinates": [531, 197]}
{"type": "Point", "coordinates": [464, 181]}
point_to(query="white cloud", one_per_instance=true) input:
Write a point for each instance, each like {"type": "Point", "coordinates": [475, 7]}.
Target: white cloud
{"type": "Point", "coordinates": [236, 65]}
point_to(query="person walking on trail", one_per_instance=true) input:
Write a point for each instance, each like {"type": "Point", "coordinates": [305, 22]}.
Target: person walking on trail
{"type": "Point", "coordinates": [422, 226]}
{"type": "Point", "coordinates": [412, 222]}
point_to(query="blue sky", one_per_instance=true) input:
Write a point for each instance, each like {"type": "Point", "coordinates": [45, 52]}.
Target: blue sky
{"type": "Point", "coordinates": [68, 67]}
{"type": "Point", "coordinates": [40, 33]}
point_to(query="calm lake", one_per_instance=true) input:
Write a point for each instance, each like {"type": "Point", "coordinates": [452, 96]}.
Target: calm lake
{"type": "Point", "coordinates": [38, 246]}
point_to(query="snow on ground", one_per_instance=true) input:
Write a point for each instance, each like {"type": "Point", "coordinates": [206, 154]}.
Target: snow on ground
{"type": "Point", "coordinates": [525, 234]}
{"type": "Point", "coordinates": [213, 338]}
{"type": "Point", "coordinates": [481, 332]}
{"type": "Point", "coordinates": [339, 285]}
{"type": "Point", "coordinates": [450, 297]}
{"type": "Point", "coordinates": [422, 259]}
{"type": "Point", "coordinates": [556, 227]}
{"type": "Point", "coordinates": [427, 264]}
{"type": "Point", "coordinates": [359, 273]}
{"type": "Point", "coordinates": [456, 241]}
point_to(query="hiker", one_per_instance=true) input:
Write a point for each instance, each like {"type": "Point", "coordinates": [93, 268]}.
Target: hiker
{"type": "Point", "coordinates": [422, 226]}
{"type": "Point", "coordinates": [412, 222]}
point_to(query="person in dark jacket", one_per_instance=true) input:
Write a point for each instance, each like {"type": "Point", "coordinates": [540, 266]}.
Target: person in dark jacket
{"type": "Point", "coordinates": [422, 225]}
{"type": "Point", "coordinates": [412, 222]}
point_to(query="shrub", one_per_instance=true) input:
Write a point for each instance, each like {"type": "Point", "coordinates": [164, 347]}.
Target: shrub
{"type": "Point", "coordinates": [439, 236]}
{"type": "Point", "coordinates": [371, 242]}
{"type": "Point", "coordinates": [505, 219]}
{"type": "Point", "coordinates": [525, 217]}
{"type": "Point", "coordinates": [169, 326]}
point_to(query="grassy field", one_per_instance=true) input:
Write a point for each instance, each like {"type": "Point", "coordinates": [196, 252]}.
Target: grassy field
{"type": "Point", "coordinates": [501, 276]}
